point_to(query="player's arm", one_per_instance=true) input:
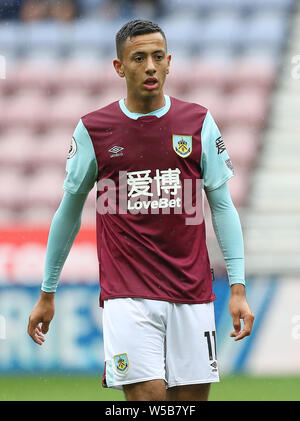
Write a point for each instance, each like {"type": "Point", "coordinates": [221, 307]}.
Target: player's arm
{"type": "Point", "coordinates": [81, 175]}
{"type": "Point", "coordinates": [217, 169]}
{"type": "Point", "coordinates": [64, 228]}
{"type": "Point", "coordinates": [227, 227]}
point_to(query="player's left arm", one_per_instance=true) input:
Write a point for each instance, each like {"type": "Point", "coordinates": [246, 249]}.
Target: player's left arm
{"type": "Point", "coordinates": [216, 170]}
{"type": "Point", "coordinates": [227, 227]}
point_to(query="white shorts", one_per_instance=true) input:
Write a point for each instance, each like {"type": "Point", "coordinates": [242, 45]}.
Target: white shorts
{"type": "Point", "coordinates": [149, 339]}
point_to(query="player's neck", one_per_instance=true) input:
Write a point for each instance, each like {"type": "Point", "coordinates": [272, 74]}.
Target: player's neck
{"type": "Point", "coordinates": [144, 105]}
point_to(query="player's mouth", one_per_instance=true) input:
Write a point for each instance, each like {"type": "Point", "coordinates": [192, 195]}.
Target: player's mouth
{"type": "Point", "coordinates": [151, 83]}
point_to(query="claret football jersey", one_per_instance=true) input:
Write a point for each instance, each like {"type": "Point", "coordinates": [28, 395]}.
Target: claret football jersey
{"type": "Point", "coordinates": [150, 171]}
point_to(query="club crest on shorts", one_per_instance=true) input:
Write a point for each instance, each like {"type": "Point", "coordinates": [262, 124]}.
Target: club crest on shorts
{"type": "Point", "coordinates": [121, 363]}
{"type": "Point", "coordinates": [182, 145]}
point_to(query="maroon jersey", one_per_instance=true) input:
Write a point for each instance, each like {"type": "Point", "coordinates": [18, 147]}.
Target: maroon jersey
{"type": "Point", "coordinates": [146, 247]}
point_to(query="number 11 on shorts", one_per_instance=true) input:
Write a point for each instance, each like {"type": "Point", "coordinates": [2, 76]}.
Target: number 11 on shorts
{"type": "Point", "coordinates": [208, 334]}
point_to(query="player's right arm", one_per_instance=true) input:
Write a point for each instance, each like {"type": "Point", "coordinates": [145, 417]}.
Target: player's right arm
{"type": "Point", "coordinates": [81, 175]}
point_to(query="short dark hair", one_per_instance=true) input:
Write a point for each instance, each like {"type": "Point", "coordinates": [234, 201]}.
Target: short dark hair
{"type": "Point", "coordinates": [134, 28]}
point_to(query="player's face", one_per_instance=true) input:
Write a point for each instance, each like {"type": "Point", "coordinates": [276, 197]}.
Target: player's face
{"type": "Point", "coordinates": [145, 64]}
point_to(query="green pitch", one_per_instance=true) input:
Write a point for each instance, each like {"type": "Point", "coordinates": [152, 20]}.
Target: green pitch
{"type": "Point", "coordinates": [75, 388]}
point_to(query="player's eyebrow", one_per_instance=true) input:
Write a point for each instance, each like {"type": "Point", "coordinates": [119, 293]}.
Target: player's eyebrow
{"type": "Point", "coordinates": [144, 53]}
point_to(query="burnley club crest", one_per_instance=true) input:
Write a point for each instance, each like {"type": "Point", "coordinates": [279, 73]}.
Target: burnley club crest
{"type": "Point", "coordinates": [121, 363]}
{"type": "Point", "coordinates": [182, 145]}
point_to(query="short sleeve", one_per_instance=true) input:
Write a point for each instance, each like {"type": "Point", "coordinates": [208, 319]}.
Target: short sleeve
{"type": "Point", "coordinates": [216, 165]}
{"type": "Point", "coordinates": [81, 166]}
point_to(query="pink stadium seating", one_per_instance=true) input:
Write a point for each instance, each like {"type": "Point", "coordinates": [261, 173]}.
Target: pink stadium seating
{"type": "Point", "coordinates": [79, 76]}
{"type": "Point", "coordinates": [66, 109]}
{"type": "Point", "coordinates": [246, 106]}
{"type": "Point", "coordinates": [238, 186]}
{"type": "Point", "coordinates": [52, 147]}
{"type": "Point", "coordinates": [209, 73]}
{"type": "Point", "coordinates": [45, 187]}
{"type": "Point", "coordinates": [250, 72]}
{"type": "Point", "coordinates": [242, 144]}
{"type": "Point", "coordinates": [17, 151]}
{"type": "Point", "coordinates": [211, 98]}
{"type": "Point", "coordinates": [24, 111]}
{"type": "Point", "coordinates": [12, 187]}
{"type": "Point", "coordinates": [33, 74]}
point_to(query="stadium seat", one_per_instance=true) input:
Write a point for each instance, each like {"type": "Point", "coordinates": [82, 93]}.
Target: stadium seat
{"type": "Point", "coordinates": [80, 75]}
{"type": "Point", "coordinates": [222, 31]}
{"type": "Point", "coordinates": [95, 33]}
{"type": "Point", "coordinates": [34, 74]}
{"type": "Point", "coordinates": [45, 187]}
{"type": "Point", "coordinates": [261, 30]}
{"type": "Point", "coordinates": [210, 98]}
{"type": "Point", "coordinates": [45, 35]}
{"type": "Point", "coordinates": [246, 107]}
{"type": "Point", "coordinates": [37, 215]}
{"type": "Point", "coordinates": [209, 73]}
{"type": "Point", "coordinates": [250, 72]}
{"type": "Point", "coordinates": [66, 109]}
{"type": "Point", "coordinates": [17, 149]}
{"type": "Point", "coordinates": [12, 187]}
{"type": "Point", "coordinates": [25, 111]}
{"type": "Point", "coordinates": [242, 146]}
{"type": "Point", "coordinates": [239, 186]}
{"type": "Point", "coordinates": [52, 147]}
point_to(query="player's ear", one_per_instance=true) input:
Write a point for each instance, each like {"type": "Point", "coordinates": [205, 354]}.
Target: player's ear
{"type": "Point", "coordinates": [169, 61]}
{"type": "Point", "coordinates": [119, 67]}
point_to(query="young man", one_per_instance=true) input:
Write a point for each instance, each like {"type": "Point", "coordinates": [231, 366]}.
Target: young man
{"type": "Point", "coordinates": [156, 282]}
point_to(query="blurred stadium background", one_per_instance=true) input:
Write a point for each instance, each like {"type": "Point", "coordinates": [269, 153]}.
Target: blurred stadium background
{"type": "Point", "coordinates": [241, 59]}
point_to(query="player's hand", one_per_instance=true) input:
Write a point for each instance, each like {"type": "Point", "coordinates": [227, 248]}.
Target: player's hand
{"type": "Point", "coordinates": [42, 312]}
{"type": "Point", "coordinates": [240, 310]}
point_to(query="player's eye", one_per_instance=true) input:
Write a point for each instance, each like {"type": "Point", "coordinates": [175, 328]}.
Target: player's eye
{"type": "Point", "coordinates": [138, 59]}
{"type": "Point", "coordinates": [159, 57]}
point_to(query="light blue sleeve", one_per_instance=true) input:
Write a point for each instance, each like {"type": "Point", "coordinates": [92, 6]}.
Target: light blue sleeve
{"type": "Point", "coordinates": [81, 167]}
{"type": "Point", "coordinates": [216, 166]}
{"type": "Point", "coordinates": [228, 230]}
{"type": "Point", "coordinates": [64, 228]}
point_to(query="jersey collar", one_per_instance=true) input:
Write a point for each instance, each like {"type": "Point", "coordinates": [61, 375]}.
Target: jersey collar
{"type": "Point", "coordinates": [158, 113]}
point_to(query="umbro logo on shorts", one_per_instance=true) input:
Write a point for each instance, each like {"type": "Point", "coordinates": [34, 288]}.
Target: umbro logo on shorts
{"type": "Point", "coordinates": [116, 151]}
{"type": "Point", "coordinates": [214, 365]}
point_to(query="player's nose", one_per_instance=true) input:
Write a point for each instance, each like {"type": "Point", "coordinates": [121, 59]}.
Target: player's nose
{"type": "Point", "coordinates": [150, 66]}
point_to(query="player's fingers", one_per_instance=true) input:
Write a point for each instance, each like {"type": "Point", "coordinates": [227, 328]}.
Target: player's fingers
{"type": "Point", "coordinates": [32, 324]}
{"type": "Point", "coordinates": [45, 327]}
{"type": "Point", "coordinates": [32, 329]}
{"type": "Point", "coordinates": [236, 324]}
{"type": "Point", "coordinates": [248, 324]}
{"type": "Point", "coordinates": [248, 321]}
{"type": "Point", "coordinates": [244, 332]}
{"type": "Point", "coordinates": [39, 335]}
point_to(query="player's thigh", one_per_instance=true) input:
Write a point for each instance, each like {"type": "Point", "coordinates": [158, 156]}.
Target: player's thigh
{"type": "Point", "coordinates": [191, 345]}
{"type": "Point", "coordinates": [191, 392]}
{"type": "Point", "coordinates": [152, 390]}
{"type": "Point", "coordinates": [133, 339]}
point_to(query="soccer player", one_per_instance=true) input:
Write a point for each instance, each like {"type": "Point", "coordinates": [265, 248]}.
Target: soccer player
{"type": "Point", "coordinates": [147, 153]}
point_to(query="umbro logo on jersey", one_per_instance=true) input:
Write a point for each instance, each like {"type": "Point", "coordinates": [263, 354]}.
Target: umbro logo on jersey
{"type": "Point", "coordinates": [116, 151]}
